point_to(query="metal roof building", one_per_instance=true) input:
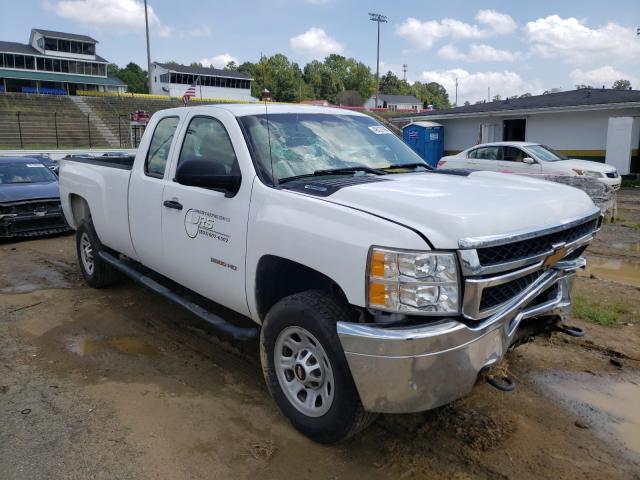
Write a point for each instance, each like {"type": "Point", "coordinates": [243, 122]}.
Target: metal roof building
{"type": "Point", "coordinates": [593, 124]}
{"type": "Point", "coordinates": [55, 62]}
{"type": "Point", "coordinates": [173, 80]}
{"type": "Point", "coordinates": [394, 102]}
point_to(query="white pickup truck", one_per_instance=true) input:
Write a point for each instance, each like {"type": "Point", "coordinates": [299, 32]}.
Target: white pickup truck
{"type": "Point", "coordinates": [375, 283]}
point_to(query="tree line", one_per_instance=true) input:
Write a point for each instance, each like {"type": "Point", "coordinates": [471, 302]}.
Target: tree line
{"type": "Point", "coordinates": [337, 79]}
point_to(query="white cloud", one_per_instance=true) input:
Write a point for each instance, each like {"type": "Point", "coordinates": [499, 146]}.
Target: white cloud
{"type": "Point", "coordinates": [600, 76]}
{"type": "Point", "coordinates": [203, 31]}
{"type": "Point", "coordinates": [219, 61]}
{"type": "Point", "coordinates": [473, 86]}
{"type": "Point", "coordinates": [478, 53]}
{"type": "Point", "coordinates": [119, 16]}
{"type": "Point", "coordinates": [571, 39]}
{"type": "Point", "coordinates": [315, 43]}
{"type": "Point", "coordinates": [425, 34]}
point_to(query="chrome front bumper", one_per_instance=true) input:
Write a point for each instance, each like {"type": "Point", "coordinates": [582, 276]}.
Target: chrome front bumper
{"type": "Point", "coordinates": [402, 370]}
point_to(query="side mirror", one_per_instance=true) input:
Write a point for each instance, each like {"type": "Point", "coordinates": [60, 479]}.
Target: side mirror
{"type": "Point", "coordinates": [207, 174]}
{"type": "Point", "coordinates": [528, 160]}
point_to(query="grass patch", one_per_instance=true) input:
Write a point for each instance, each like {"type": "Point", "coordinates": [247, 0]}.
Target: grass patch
{"type": "Point", "coordinates": [627, 182]}
{"type": "Point", "coordinates": [605, 315]}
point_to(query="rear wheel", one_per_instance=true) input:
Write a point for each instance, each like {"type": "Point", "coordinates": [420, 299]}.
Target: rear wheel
{"type": "Point", "coordinates": [306, 370]}
{"type": "Point", "coordinates": [96, 272]}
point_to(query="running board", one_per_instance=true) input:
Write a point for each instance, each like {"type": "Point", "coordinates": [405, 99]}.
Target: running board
{"type": "Point", "coordinates": [216, 322]}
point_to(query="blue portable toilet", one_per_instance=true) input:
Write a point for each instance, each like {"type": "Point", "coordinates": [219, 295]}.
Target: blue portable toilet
{"type": "Point", "coordinates": [426, 139]}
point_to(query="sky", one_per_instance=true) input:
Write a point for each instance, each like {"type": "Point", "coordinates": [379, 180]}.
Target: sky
{"type": "Point", "coordinates": [511, 47]}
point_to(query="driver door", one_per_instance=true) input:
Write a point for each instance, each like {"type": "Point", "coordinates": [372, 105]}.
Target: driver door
{"type": "Point", "coordinates": [204, 230]}
{"type": "Point", "coordinates": [512, 161]}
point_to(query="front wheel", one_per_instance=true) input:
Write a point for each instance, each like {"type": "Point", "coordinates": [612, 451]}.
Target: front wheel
{"type": "Point", "coordinates": [306, 370]}
{"type": "Point", "coordinates": [96, 272]}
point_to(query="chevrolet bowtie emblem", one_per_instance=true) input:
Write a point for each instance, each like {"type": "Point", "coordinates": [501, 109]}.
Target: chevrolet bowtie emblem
{"type": "Point", "coordinates": [559, 252]}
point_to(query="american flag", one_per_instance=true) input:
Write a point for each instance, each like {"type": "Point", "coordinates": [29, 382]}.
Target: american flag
{"type": "Point", "coordinates": [191, 92]}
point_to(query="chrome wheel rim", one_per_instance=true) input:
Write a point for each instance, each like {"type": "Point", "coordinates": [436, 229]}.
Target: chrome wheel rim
{"type": "Point", "coordinates": [86, 253]}
{"type": "Point", "coordinates": [304, 371]}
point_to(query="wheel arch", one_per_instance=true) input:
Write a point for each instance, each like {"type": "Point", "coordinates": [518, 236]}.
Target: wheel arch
{"type": "Point", "coordinates": [278, 277]}
{"type": "Point", "coordinates": [79, 209]}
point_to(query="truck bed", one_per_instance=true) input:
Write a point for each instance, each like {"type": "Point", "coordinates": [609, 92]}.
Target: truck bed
{"type": "Point", "coordinates": [103, 182]}
{"type": "Point", "coordinates": [125, 163]}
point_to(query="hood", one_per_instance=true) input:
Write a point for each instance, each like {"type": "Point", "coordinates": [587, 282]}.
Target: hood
{"type": "Point", "coordinates": [20, 192]}
{"type": "Point", "coordinates": [446, 208]}
{"type": "Point", "coordinates": [585, 165]}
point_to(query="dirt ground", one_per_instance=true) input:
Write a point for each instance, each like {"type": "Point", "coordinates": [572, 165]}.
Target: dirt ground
{"type": "Point", "coordinates": [118, 383]}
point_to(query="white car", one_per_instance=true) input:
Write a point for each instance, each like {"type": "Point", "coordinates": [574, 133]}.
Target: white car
{"type": "Point", "coordinates": [527, 158]}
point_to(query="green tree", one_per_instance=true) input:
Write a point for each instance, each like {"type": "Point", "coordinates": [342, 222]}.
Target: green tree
{"type": "Point", "coordinates": [622, 84]}
{"type": "Point", "coordinates": [431, 93]}
{"type": "Point", "coordinates": [134, 76]}
{"type": "Point", "coordinates": [496, 98]}
{"type": "Point", "coordinates": [390, 84]}
{"type": "Point", "coordinates": [231, 66]}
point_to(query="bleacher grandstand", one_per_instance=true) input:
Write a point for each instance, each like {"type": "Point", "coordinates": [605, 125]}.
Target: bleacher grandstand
{"type": "Point", "coordinates": [61, 121]}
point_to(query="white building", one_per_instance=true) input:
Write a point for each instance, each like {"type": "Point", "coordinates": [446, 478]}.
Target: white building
{"type": "Point", "coordinates": [55, 63]}
{"type": "Point", "coordinates": [592, 124]}
{"type": "Point", "coordinates": [173, 80]}
{"type": "Point", "coordinates": [394, 102]}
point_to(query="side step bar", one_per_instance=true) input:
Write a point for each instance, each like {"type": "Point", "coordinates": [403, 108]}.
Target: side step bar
{"type": "Point", "coordinates": [216, 322]}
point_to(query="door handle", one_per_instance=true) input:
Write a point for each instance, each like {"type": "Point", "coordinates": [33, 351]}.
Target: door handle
{"type": "Point", "coordinates": [173, 204]}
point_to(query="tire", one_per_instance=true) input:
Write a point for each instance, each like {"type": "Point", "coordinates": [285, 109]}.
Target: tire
{"type": "Point", "coordinates": [311, 316]}
{"type": "Point", "coordinates": [96, 272]}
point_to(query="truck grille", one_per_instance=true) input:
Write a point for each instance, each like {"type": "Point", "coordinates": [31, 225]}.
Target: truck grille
{"type": "Point", "coordinates": [32, 218]}
{"type": "Point", "coordinates": [533, 246]}
{"type": "Point", "coordinates": [494, 296]}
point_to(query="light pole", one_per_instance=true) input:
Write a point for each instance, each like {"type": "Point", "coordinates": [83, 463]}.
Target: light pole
{"type": "Point", "coordinates": [146, 25]}
{"type": "Point", "coordinates": [376, 17]}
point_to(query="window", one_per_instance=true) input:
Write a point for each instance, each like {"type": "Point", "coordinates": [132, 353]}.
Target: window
{"type": "Point", "coordinates": [488, 153]}
{"type": "Point", "coordinates": [76, 47]}
{"type": "Point", "coordinates": [29, 63]}
{"type": "Point", "coordinates": [64, 46]}
{"type": "Point", "coordinates": [289, 144]}
{"type": "Point", "coordinates": [50, 44]}
{"type": "Point", "coordinates": [159, 148]}
{"type": "Point", "coordinates": [9, 60]}
{"type": "Point", "coordinates": [19, 61]}
{"type": "Point", "coordinates": [40, 62]}
{"type": "Point", "coordinates": [512, 154]}
{"type": "Point", "coordinates": [207, 139]}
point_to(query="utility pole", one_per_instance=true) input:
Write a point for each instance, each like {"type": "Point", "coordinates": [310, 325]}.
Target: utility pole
{"type": "Point", "coordinates": [404, 71]}
{"type": "Point", "coordinates": [456, 91]}
{"type": "Point", "coordinates": [376, 17]}
{"type": "Point", "coordinates": [146, 26]}
{"type": "Point", "coordinates": [488, 94]}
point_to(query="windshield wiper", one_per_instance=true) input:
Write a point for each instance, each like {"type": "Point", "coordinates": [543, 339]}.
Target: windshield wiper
{"type": "Point", "coordinates": [334, 171]}
{"type": "Point", "coordinates": [408, 165]}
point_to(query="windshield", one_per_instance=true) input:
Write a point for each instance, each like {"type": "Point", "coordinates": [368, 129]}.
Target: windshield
{"type": "Point", "coordinates": [22, 172]}
{"type": "Point", "coordinates": [303, 143]}
{"type": "Point", "coordinates": [545, 153]}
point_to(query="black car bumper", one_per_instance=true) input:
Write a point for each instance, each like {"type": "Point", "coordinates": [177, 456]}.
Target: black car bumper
{"type": "Point", "coordinates": [31, 218]}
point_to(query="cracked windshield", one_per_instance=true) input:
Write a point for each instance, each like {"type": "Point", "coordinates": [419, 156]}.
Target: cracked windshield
{"type": "Point", "coordinates": [291, 145]}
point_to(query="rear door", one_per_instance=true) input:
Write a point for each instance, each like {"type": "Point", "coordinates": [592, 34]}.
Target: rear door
{"type": "Point", "coordinates": [146, 187]}
{"type": "Point", "coordinates": [203, 230]}
{"type": "Point", "coordinates": [485, 158]}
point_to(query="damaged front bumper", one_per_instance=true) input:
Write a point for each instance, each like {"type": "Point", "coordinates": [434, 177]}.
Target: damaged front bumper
{"type": "Point", "coordinates": [31, 218]}
{"type": "Point", "coordinates": [411, 369]}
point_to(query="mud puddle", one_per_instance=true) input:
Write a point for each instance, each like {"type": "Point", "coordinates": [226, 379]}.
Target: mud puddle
{"type": "Point", "coordinates": [613, 269]}
{"type": "Point", "coordinates": [607, 405]}
{"type": "Point", "coordinates": [129, 345]}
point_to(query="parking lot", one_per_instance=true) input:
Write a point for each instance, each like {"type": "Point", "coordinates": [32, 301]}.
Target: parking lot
{"type": "Point", "coordinates": [118, 383]}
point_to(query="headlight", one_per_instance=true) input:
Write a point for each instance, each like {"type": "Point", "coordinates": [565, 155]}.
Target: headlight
{"type": "Point", "coordinates": [423, 283]}
{"type": "Point", "coordinates": [588, 173]}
